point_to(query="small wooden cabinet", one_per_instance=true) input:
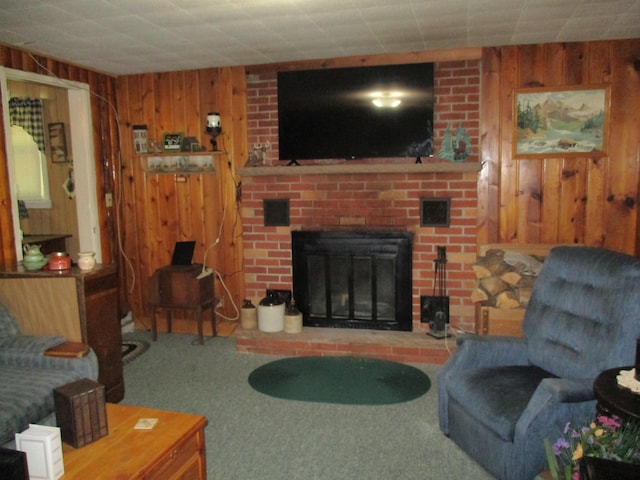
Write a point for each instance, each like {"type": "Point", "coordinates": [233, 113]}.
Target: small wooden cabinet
{"type": "Point", "coordinates": [179, 285]}
{"type": "Point", "coordinates": [103, 330]}
{"type": "Point", "coordinates": [79, 305]}
{"type": "Point", "coordinates": [182, 288]}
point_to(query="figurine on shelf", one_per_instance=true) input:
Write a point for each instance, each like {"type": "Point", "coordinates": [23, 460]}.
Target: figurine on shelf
{"type": "Point", "coordinates": [456, 149]}
{"type": "Point", "coordinates": [446, 151]}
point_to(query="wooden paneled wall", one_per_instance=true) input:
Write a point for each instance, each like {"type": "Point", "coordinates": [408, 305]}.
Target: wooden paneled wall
{"type": "Point", "coordinates": [105, 141]}
{"type": "Point", "coordinates": [551, 200]}
{"type": "Point", "coordinates": [587, 200]}
{"type": "Point", "coordinates": [161, 209]}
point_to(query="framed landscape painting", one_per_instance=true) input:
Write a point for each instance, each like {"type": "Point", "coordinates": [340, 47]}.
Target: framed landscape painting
{"type": "Point", "coordinates": [560, 122]}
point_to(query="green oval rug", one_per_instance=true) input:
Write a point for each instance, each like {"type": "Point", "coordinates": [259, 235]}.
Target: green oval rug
{"type": "Point", "coordinates": [345, 380]}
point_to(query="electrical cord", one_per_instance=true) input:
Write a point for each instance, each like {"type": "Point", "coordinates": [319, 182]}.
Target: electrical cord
{"type": "Point", "coordinates": [209, 271]}
{"type": "Point", "coordinates": [235, 307]}
{"type": "Point", "coordinates": [118, 161]}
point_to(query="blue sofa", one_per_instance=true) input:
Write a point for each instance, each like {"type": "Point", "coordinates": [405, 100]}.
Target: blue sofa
{"type": "Point", "coordinates": [500, 397]}
{"type": "Point", "coordinates": [28, 377]}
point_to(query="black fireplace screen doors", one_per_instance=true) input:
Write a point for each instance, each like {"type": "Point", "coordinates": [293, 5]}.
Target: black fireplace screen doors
{"type": "Point", "coordinates": [353, 279]}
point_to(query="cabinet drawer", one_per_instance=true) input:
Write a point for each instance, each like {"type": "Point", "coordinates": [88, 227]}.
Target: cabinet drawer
{"type": "Point", "coordinates": [193, 470]}
{"type": "Point", "coordinates": [186, 454]}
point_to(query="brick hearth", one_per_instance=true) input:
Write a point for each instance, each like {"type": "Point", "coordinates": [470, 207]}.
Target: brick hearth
{"type": "Point", "coordinates": [406, 347]}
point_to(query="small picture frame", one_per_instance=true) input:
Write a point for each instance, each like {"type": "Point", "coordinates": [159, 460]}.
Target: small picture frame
{"type": "Point", "coordinates": [57, 142]}
{"type": "Point", "coordinates": [172, 142]}
{"type": "Point", "coordinates": [190, 144]}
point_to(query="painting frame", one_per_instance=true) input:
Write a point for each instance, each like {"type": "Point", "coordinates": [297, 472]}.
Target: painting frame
{"type": "Point", "coordinates": [578, 117]}
{"type": "Point", "coordinates": [57, 142]}
{"type": "Point", "coordinates": [172, 141]}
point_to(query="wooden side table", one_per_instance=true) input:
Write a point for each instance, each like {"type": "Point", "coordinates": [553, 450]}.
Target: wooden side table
{"type": "Point", "coordinates": [177, 288]}
{"type": "Point", "coordinates": [613, 399]}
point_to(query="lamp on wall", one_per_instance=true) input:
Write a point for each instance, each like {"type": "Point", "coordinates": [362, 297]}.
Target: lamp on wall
{"type": "Point", "coordinates": [213, 128]}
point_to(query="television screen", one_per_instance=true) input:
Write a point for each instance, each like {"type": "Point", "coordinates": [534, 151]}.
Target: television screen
{"type": "Point", "coordinates": [359, 112]}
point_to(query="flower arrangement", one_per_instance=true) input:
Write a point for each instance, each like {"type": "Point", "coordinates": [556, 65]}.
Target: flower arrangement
{"type": "Point", "coordinates": [606, 437]}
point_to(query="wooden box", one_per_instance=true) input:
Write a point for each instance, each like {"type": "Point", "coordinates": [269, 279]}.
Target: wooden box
{"type": "Point", "coordinates": [81, 412]}
{"type": "Point", "coordinates": [178, 285]}
{"type": "Point", "coordinates": [499, 321]}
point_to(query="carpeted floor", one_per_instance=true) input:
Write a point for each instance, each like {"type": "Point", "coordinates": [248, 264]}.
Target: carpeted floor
{"type": "Point", "coordinates": [344, 380]}
{"type": "Point", "coordinates": [252, 436]}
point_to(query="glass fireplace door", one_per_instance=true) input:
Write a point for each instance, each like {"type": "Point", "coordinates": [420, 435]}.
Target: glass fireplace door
{"type": "Point", "coordinates": [342, 284]}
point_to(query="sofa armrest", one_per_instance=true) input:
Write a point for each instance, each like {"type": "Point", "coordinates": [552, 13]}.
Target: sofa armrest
{"type": "Point", "coordinates": [477, 351]}
{"type": "Point", "coordinates": [28, 352]}
{"type": "Point", "coordinates": [32, 344]}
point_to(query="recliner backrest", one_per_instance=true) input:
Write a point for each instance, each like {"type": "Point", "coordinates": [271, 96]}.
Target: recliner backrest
{"type": "Point", "coordinates": [584, 313]}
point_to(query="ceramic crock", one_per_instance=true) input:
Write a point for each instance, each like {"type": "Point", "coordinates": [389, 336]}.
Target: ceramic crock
{"type": "Point", "coordinates": [59, 261]}
{"type": "Point", "coordinates": [86, 260]}
{"type": "Point", "coordinates": [271, 314]}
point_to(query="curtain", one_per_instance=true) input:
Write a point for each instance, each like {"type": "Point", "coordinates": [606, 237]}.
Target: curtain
{"type": "Point", "coordinates": [27, 113]}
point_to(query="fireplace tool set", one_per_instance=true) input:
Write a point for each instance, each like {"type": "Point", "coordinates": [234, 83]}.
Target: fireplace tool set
{"type": "Point", "coordinates": [435, 308]}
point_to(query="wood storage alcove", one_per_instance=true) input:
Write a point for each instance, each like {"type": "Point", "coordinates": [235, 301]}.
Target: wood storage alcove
{"type": "Point", "coordinates": [505, 275]}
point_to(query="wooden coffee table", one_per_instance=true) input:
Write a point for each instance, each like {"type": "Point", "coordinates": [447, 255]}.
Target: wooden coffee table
{"type": "Point", "coordinates": [174, 448]}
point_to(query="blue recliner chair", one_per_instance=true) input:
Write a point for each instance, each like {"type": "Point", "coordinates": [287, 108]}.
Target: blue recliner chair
{"type": "Point", "coordinates": [500, 397]}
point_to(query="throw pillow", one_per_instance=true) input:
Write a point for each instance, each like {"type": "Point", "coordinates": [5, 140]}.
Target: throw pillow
{"type": "Point", "coordinates": [8, 325]}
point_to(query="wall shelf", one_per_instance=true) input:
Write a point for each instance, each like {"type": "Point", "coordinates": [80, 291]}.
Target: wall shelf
{"type": "Point", "coordinates": [347, 168]}
{"type": "Point", "coordinates": [180, 162]}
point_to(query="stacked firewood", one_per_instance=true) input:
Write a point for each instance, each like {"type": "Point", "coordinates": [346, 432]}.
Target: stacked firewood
{"type": "Point", "coordinates": [505, 278]}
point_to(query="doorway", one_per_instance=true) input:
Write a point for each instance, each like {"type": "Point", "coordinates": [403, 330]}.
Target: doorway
{"type": "Point", "coordinates": [80, 143]}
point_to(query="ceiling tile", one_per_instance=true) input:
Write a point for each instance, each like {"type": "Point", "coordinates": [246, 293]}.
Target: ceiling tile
{"type": "Point", "coordinates": [125, 36]}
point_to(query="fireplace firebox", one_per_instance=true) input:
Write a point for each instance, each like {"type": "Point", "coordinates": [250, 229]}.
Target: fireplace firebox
{"type": "Point", "coordinates": [353, 279]}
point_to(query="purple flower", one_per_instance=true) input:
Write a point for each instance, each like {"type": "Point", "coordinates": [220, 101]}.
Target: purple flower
{"type": "Point", "coordinates": [559, 446]}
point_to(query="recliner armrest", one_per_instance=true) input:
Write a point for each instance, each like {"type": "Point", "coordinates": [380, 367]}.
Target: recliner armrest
{"type": "Point", "coordinates": [489, 351]}
{"type": "Point", "coordinates": [477, 351]}
{"type": "Point", "coordinates": [549, 397]}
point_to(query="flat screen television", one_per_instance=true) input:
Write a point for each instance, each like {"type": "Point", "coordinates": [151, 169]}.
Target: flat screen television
{"type": "Point", "coordinates": [358, 112]}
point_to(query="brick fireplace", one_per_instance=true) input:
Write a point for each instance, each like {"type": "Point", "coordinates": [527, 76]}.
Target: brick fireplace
{"type": "Point", "coordinates": [352, 201]}
{"type": "Point", "coordinates": [367, 195]}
